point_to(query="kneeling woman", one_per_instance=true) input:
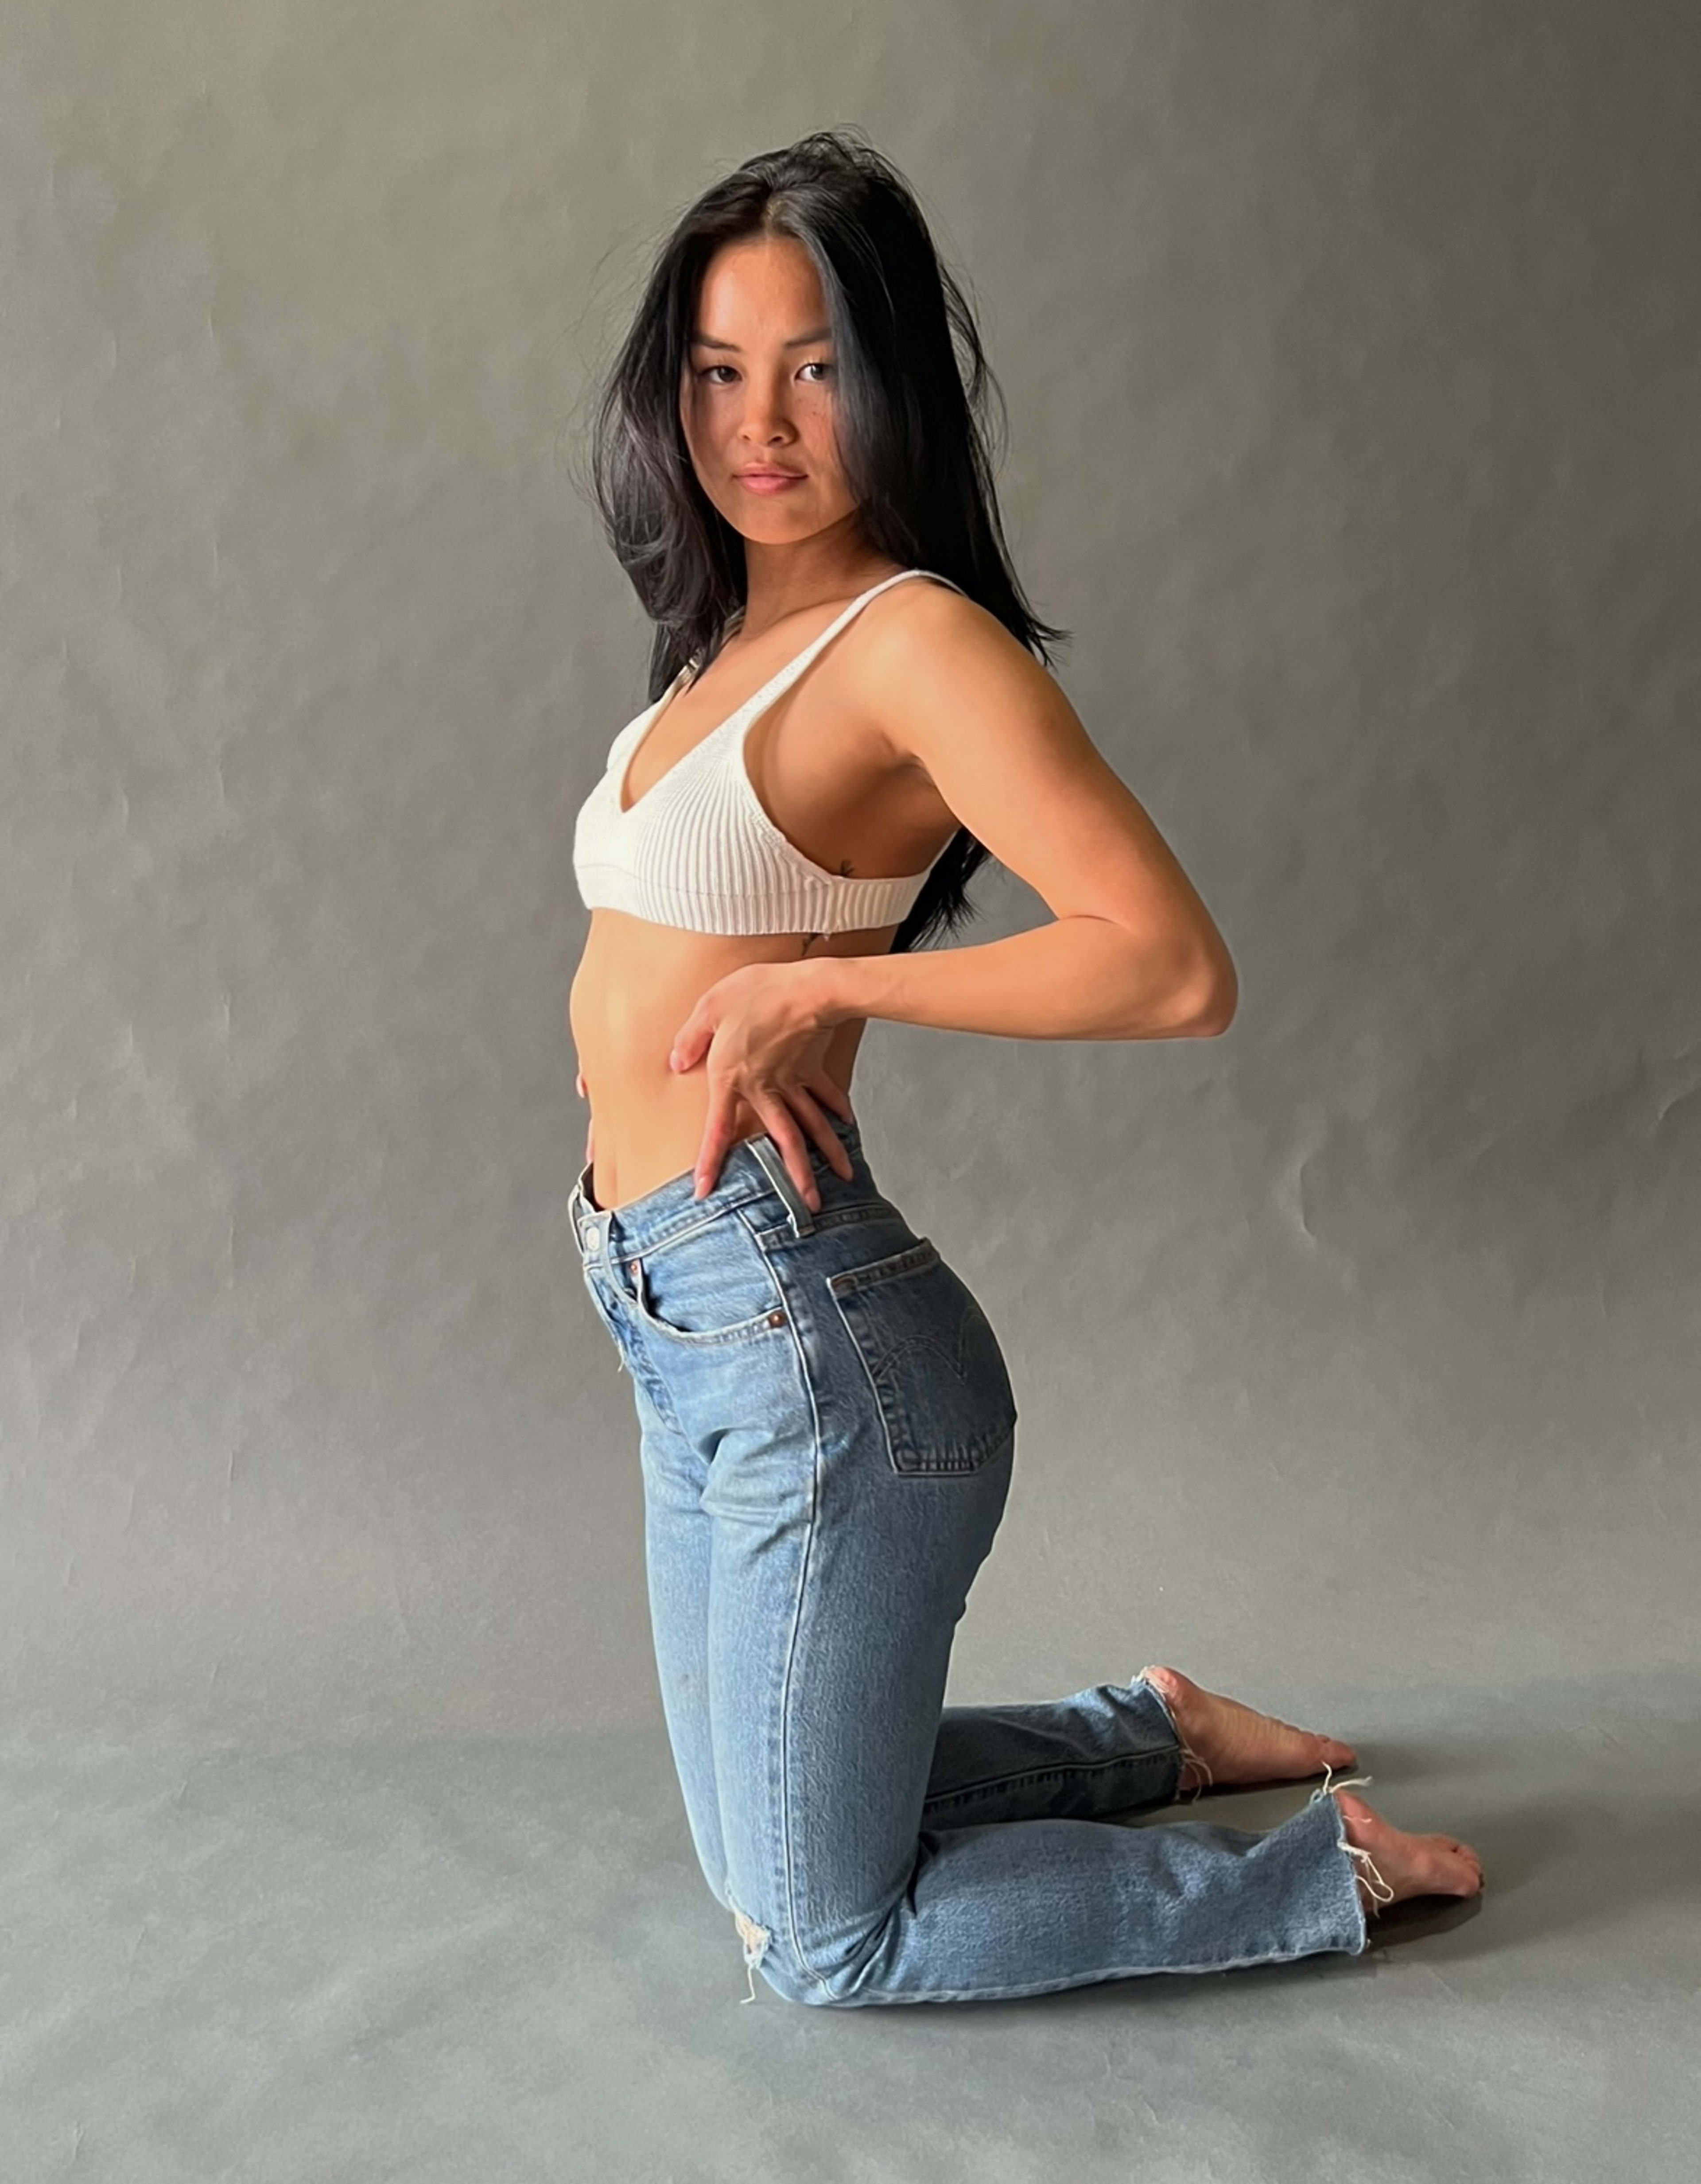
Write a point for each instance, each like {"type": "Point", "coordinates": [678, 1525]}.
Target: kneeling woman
{"type": "Point", "coordinates": [847, 710]}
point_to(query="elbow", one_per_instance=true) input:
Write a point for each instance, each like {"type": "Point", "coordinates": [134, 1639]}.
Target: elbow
{"type": "Point", "coordinates": [1207, 1003]}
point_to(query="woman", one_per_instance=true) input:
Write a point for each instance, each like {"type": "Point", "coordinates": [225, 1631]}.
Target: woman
{"type": "Point", "coordinates": [847, 709]}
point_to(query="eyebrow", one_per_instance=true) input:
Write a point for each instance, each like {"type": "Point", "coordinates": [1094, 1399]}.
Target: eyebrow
{"type": "Point", "coordinates": [797, 340]}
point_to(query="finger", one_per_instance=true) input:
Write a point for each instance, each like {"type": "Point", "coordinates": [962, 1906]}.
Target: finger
{"type": "Point", "coordinates": [833, 1095]}
{"type": "Point", "coordinates": [782, 1128]}
{"type": "Point", "coordinates": [718, 1138]}
{"type": "Point", "coordinates": [687, 1043]}
{"type": "Point", "coordinates": [832, 1150]}
{"type": "Point", "coordinates": [837, 1151]}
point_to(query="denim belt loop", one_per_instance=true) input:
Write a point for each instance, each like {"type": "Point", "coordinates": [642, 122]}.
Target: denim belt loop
{"type": "Point", "coordinates": [591, 1223]}
{"type": "Point", "coordinates": [774, 1167]}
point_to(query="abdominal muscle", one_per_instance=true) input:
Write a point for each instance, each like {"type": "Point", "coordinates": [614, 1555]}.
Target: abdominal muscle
{"type": "Point", "coordinates": [636, 984]}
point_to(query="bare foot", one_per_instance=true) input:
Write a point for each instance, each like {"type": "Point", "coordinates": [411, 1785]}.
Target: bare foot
{"type": "Point", "coordinates": [1405, 1864]}
{"type": "Point", "coordinates": [1233, 1744]}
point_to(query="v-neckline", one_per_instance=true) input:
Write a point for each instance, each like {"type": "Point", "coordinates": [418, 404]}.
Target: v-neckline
{"type": "Point", "coordinates": [663, 705]}
{"type": "Point", "coordinates": [664, 702]}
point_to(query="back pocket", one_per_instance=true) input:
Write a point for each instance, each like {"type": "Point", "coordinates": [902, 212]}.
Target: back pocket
{"type": "Point", "coordinates": [939, 1376]}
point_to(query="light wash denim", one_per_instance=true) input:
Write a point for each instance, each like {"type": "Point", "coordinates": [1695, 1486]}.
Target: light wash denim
{"type": "Point", "coordinates": [827, 1438]}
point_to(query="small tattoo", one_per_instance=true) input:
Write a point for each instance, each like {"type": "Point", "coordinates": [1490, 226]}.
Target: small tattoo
{"type": "Point", "coordinates": [846, 871]}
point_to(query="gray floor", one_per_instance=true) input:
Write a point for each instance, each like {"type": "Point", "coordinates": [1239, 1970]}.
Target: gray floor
{"type": "Point", "coordinates": [497, 1961]}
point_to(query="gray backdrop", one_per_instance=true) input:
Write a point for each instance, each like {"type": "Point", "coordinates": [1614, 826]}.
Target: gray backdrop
{"type": "Point", "coordinates": [1350, 354]}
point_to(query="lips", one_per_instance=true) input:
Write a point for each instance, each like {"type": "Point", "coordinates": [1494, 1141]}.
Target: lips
{"type": "Point", "coordinates": [768, 483]}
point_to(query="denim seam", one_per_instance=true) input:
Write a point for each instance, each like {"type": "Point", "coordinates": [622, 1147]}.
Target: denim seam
{"type": "Point", "coordinates": [659, 1242]}
{"type": "Point", "coordinates": [1120, 1971]}
{"type": "Point", "coordinates": [913, 1259]}
{"type": "Point", "coordinates": [807, 1969]}
{"type": "Point", "coordinates": [1052, 1774]}
{"type": "Point", "coordinates": [743, 1330]}
{"type": "Point", "coordinates": [684, 1224]}
{"type": "Point", "coordinates": [836, 1216]}
{"type": "Point", "coordinates": [861, 1357]}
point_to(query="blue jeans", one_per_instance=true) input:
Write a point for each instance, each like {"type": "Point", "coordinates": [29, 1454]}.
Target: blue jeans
{"type": "Point", "coordinates": [827, 1432]}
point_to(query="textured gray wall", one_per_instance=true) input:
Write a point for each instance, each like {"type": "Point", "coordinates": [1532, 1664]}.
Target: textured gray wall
{"type": "Point", "coordinates": [1351, 361]}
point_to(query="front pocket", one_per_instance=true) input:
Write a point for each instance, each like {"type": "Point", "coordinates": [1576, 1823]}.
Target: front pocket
{"type": "Point", "coordinates": [602, 1311]}
{"type": "Point", "coordinates": [939, 1376]}
{"type": "Point", "coordinates": [711, 1285]}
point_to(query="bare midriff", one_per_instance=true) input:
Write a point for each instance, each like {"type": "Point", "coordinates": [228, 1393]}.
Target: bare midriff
{"type": "Point", "coordinates": [817, 766]}
{"type": "Point", "coordinates": [636, 984]}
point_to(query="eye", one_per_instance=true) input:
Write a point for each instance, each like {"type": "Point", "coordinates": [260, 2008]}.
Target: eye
{"type": "Point", "coordinates": [815, 364]}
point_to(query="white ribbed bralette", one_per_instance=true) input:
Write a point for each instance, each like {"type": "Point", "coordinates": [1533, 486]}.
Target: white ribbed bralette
{"type": "Point", "coordinates": [697, 850]}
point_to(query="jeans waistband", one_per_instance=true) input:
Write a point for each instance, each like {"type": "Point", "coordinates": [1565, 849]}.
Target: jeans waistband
{"type": "Point", "coordinates": [755, 1168]}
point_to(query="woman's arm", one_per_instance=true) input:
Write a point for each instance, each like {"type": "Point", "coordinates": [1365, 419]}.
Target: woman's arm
{"type": "Point", "coordinates": [1085, 976]}
{"type": "Point", "coordinates": [1133, 954]}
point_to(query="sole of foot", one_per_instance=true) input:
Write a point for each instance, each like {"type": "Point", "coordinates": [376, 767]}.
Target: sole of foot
{"type": "Point", "coordinates": [1239, 1748]}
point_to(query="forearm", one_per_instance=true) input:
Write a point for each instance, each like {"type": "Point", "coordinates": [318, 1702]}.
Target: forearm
{"type": "Point", "coordinates": [1077, 978]}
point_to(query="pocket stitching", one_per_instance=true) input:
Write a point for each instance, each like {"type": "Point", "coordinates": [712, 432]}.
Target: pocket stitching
{"type": "Point", "coordinates": [910, 1260]}
{"type": "Point", "coordinates": [781, 1232]}
{"type": "Point", "coordinates": [741, 1330]}
{"type": "Point", "coordinates": [915, 1258]}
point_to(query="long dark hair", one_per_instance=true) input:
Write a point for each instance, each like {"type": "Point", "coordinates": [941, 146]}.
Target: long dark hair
{"type": "Point", "coordinates": [911, 423]}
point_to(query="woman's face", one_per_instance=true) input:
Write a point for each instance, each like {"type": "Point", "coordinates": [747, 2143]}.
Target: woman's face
{"type": "Point", "coordinates": [758, 388]}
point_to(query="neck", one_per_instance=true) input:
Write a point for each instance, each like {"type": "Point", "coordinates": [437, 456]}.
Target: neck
{"type": "Point", "coordinates": [788, 580]}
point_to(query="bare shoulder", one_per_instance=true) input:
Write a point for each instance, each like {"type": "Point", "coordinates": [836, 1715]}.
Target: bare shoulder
{"type": "Point", "coordinates": [959, 699]}
{"type": "Point", "coordinates": [928, 643]}
{"type": "Point", "coordinates": [924, 614]}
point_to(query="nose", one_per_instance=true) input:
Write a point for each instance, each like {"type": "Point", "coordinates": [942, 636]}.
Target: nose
{"type": "Point", "coordinates": [767, 417]}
